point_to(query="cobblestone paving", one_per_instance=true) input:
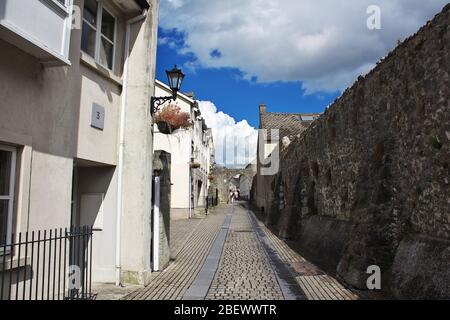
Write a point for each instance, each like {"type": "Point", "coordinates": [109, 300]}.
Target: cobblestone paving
{"type": "Point", "coordinates": [314, 282]}
{"type": "Point", "coordinates": [324, 287]}
{"type": "Point", "coordinates": [244, 271]}
{"type": "Point", "coordinates": [172, 283]}
{"type": "Point", "coordinates": [180, 232]}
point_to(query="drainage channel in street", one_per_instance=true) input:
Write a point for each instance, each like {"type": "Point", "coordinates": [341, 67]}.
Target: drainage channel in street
{"type": "Point", "coordinates": [200, 286]}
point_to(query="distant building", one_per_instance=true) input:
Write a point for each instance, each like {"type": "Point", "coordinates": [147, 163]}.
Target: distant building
{"type": "Point", "coordinates": [192, 154]}
{"type": "Point", "coordinates": [226, 180]}
{"type": "Point", "coordinates": [288, 127]}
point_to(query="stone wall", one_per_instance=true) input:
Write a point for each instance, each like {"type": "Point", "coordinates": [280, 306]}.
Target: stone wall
{"type": "Point", "coordinates": [224, 179]}
{"type": "Point", "coordinates": [369, 182]}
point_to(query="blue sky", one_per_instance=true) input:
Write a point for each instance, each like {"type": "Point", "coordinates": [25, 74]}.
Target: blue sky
{"type": "Point", "coordinates": [231, 92]}
{"type": "Point", "coordinates": [294, 55]}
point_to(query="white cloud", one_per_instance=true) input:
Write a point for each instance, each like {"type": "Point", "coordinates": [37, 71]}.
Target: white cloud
{"type": "Point", "coordinates": [234, 142]}
{"type": "Point", "coordinates": [324, 43]}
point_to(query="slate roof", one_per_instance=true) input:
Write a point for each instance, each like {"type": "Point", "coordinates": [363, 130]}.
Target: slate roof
{"type": "Point", "coordinates": [290, 124]}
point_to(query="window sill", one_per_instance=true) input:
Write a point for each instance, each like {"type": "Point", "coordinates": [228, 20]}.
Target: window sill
{"type": "Point", "coordinates": [89, 62]}
{"type": "Point", "coordinates": [23, 262]}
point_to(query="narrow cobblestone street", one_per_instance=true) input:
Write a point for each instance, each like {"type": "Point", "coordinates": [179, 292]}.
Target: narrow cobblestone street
{"type": "Point", "coordinates": [244, 271]}
{"type": "Point", "coordinates": [230, 255]}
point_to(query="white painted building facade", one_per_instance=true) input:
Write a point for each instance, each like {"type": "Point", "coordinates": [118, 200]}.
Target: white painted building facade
{"type": "Point", "coordinates": [75, 127]}
{"type": "Point", "coordinates": [186, 146]}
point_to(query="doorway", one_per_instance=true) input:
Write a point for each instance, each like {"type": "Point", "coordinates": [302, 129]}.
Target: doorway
{"type": "Point", "coordinates": [94, 204]}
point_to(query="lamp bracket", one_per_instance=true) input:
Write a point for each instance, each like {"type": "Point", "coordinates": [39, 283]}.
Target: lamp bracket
{"type": "Point", "coordinates": [157, 102]}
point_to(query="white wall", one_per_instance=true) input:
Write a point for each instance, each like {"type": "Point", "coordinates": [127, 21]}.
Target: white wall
{"type": "Point", "coordinates": [94, 144]}
{"type": "Point", "coordinates": [179, 144]}
{"type": "Point", "coordinates": [100, 181]}
{"type": "Point", "coordinates": [43, 27]}
{"type": "Point", "coordinates": [137, 178]}
{"type": "Point", "coordinates": [46, 113]}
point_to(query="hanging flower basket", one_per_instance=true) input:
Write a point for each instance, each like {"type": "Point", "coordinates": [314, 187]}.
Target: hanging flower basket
{"type": "Point", "coordinates": [164, 127]}
{"type": "Point", "coordinates": [171, 118]}
{"type": "Point", "coordinates": [210, 177]}
{"type": "Point", "coordinates": [195, 165]}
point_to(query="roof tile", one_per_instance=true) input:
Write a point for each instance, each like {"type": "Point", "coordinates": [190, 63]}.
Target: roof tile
{"type": "Point", "coordinates": [290, 124]}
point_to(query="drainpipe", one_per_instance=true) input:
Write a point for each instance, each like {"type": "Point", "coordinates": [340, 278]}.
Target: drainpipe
{"type": "Point", "coordinates": [156, 223]}
{"type": "Point", "coordinates": [119, 208]}
{"type": "Point", "coordinates": [190, 179]}
{"type": "Point", "coordinates": [190, 191]}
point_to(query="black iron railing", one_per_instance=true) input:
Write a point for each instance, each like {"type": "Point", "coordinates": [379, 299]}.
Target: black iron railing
{"type": "Point", "coordinates": [47, 265]}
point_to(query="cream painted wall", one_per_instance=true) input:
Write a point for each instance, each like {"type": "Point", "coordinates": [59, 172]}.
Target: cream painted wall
{"type": "Point", "coordinates": [137, 178]}
{"type": "Point", "coordinates": [179, 145]}
{"type": "Point", "coordinates": [52, 106]}
{"type": "Point", "coordinates": [209, 155]}
{"type": "Point", "coordinates": [95, 144]}
{"type": "Point", "coordinates": [92, 180]}
{"type": "Point", "coordinates": [46, 113]}
{"type": "Point", "coordinates": [53, 35]}
{"type": "Point", "coordinates": [50, 191]}
{"type": "Point", "coordinates": [35, 104]}
{"type": "Point", "coordinates": [200, 174]}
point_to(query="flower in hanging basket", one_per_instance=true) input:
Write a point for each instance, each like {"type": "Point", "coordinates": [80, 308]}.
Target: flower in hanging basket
{"type": "Point", "coordinates": [171, 118]}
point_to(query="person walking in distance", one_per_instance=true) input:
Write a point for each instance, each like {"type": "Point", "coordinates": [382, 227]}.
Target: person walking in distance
{"type": "Point", "coordinates": [230, 196]}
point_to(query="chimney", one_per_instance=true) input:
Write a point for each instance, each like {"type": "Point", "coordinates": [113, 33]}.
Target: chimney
{"type": "Point", "coordinates": [190, 95]}
{"type": "Point", "coordinates": [262, 108]}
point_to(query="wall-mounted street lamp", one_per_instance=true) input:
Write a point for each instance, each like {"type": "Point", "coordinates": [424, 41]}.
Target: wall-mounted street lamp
{"type": "Point", "coordinates": [175, 78]}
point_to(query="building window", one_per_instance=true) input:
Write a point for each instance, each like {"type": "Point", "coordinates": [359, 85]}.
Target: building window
{"type": "Point", "coordinates": [306, 118]}
{"type": "Point", "coordinates": [62, 6]}
{"type": "Point", "coordinates": [99, 33]}
{"type": "Point", "coordinates": [7, 179]}
{"type": "Point", "coordinates": [62, 2]}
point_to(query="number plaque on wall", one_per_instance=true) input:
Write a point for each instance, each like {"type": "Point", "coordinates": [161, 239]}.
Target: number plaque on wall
{"type": "Point", "coordinates": [98, 117]}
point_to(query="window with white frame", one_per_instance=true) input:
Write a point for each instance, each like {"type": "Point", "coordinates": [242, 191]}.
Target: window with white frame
{"type": "Point", "coordinates": [62, 2]}
{"type": "Point", "coordinates": [98, 37]}
{"type": "Point", "coordinates": [7, 179]}
{"type": "Point", "coordinates": [62, 6]}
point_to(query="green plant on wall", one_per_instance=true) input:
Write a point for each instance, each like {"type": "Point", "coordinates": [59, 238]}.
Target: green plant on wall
{"type": "Point", "coordinates": [436, 142]}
